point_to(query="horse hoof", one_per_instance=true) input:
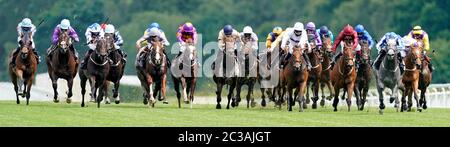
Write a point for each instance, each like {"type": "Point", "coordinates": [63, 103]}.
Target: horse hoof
{"type": "Point", "coordinates": [82, 104]}
{"type": "Point", "coordinates": [308, 101]}
{"type": "Point", "coordinates": [117, 102]}
{"type": "Point", "coordinates": [232, 104]}
{"type": "Point", "coordinates": [56, 100]}
{"type": "Point", "coordinates": [381, 111]}
{"type": "Point", "coordinates": [107, 102]}
{"type": "Point", "coordinates": [92, 100]}
{"type": "Point", "coordinates": [305, 106]}
{"type": "Point", "coordinates": [165, 102]}
{"type": "Point", "coordinates": [186, 102]}
{"type": "Point", "coordinates": [391, 100]}
{"type": "Point", "coordinates": [145, 101]}
{"type": "Point", "coordinates": [314, 106]}
{"type": "Point", "coordinates": [263, 103]}
{"type": "Point", "coordinates": [218, 106]}
{"type": "Point", "coordinates": [69, 100]}
{"type": "Point", "coordinates": [322, 103]}
{"type": "Point", "coordinates": [329, 98]}
{"type": "Point", "coordinates": [253, 104]}
{"type": "Point", "coordinates": [425, 107]}
{"type": "Point", "coordinates": [335, 110]}
{"type": "Point", "coordinates": [17, 102]}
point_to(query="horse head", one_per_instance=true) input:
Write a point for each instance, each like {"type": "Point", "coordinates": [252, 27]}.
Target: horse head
{"type": "Point", "coordinates": [101, 49]}
{"type": "Point", "coordinates": [348, 56]}
{"type": "Point", "coordinates": [365, 51]}
{"type": "Point", "coordinates": [64, 41]}
{"type": "Point", "coordinates": [391, 48]}
{"type": "Point", "coordinates": [297, 57]}
{"type": "Point", "coordinates": [416, 52]}
{"type": "Point", "coordinates": [157, 54]}
{"type": "Point", "coordinates": [25, 46]}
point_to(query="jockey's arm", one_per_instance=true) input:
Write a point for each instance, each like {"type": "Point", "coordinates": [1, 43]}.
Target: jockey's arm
{"type": "Point", "coordinates": [380, 44]}
{"type": "Point", "coordinates": [268, 41]}
{"type": "Point", "coordinates": [55, 36]}
{"type": "Point", "coordinates": [118, 39]}
{"type": "Point", "coordinates": [221, 41]}
{"type": "Point", "coordinates": [74, 35]}
{"type": "Point", "coordinates": [164, 39]}
{"type": "Point", "coordinates": [370, 39]}
{"type": "Point", "coordinates": [426, 42]}
{"type": "Point", "coordinates": [337, 41]}
{"type": "Point", "coordinates": [355, 41]}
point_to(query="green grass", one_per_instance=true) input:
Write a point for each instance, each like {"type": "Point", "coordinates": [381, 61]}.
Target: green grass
{"type": "Point", "coordinates": [136, 114]}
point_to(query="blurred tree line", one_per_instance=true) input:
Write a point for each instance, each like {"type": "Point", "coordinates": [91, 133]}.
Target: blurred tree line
{"type": "Point", "coordinates": [131, 18]}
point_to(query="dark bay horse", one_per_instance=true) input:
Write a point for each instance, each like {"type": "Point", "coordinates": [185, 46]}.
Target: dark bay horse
{"type": "Point", "coordinates": [343, 75]}
{"type": "Point", "coordinates": [248, 63]}
{"type": "Point", "coordinates": [187, 76]}
{"type": "Point", "coordinates": [62, 64]}
{"type": "Point", "coordinates": [315, 73]}
{"type": "Point", "coordinates": [294, 77]}
{"type": "Point", "coordinates": [23, 73]}
{"type": "Point", "coordinates": [116, 70]}
{"type": "Point", "coordinates": [154, 73]}
{"type": "Point", "coordinates": [410, 77]}
{"type": "Point", "coordinates": [364, 74]}
{"type": "Point", "coordinates": [226, 70]}
{"type": "Point", "coordinates": [268, 75]}
{"type": "Point", "coordinates": [325, 78]}
{"type": "Point", "coordinates": [97, 69]}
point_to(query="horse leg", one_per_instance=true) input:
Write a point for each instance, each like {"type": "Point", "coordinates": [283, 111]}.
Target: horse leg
{"type": "Point", "coordinates": [416, 96]}
{"type": "Point", "coordinates": [322, 102]}
{"type": "Point", "coordinates": [192, 91]}
{"type": "Point", "coordinates": [350, 89]}
{"type": "Point", "coordinates": [290, 99]}
{"type": "Point", "coordinates": [357, 92]}
{"type": "Point", "coordinates": [116, 92]}
{"type": "Point", "coordinates": [263, 97]}
{"type": "Point", "coordinates": [331, 89]}
{"type": "Point", "coordinates": [163, 89]}
{"type": "Point", "coordinates": [16, 88]}
{"type": "Point", "coordinates": [105, 93]}
{"type": "Point", "coordinates": [235, 101]}
{"type": "Point", "coordinates": [145, 87]}
{"type": "Point", "coordinates": [394, 97]}
{"type": "Point", "coordinates": [176, 85]}
{"type": "Point", "coordinates": [83, 80]}
{"type": "Point", "coordinates": [28, 89]}
{"type": "Point", "coordinates": [316, 93]}
{"type": "Point", "coordinates": [336, 98]}
{"type": "Point", "coordinates": [301, 96]}
{"type": "Point", "coordinates": [55, 88]}
{"type": "Point", "coordinates": [93, 89]}
{"type": "Point", "coordinates": [184, 86]}
{"type": "Point", "coordinates": [250, 95]}
{"type": "Point", "coordinates": [423, 100]}
{"type": "Point", "coordinates": [308, 100]}
{"type": "Point", "coordinates": [404, 95]}
{"type": "Point", "coordinates": [365, 90]}
{"type": "Point", "coordinates": [380, 98]}
{"type": "Point", "coordinates": [218, 94]}
{"type": "Point", "coordinates": [230, 93]}
{"type": "Point", "coordinates": [69, 94]}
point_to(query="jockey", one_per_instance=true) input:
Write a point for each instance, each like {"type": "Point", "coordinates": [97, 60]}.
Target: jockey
{"type": "Point", "coordinates": [325, 33]}
{"type": "Point", "coordinates": [25, 26]}
{"type": "Point", "coordinates": [64, 26]}
{"type": "Point", "coordinates": [272, 36]}
{"type": "Point", "coordinates": [228, 36]}
{"type": "Point", "coordinates": [311, 30]}
{"type": "Point", "coordinates": [381, 47]}
{"type": "Point", "coordinates": [93, 32]}
{"type": "Point", "coordinates": [118, 41]}
{"type": "Point", "coordinates": [421, 36]}
{"type": "Point", "coordinates": [293, 37]}
{"type": "Point", "coordinates": [186, 31]}
{"type": "Point", "coordinates": [248, 36]}
{"type": "Point", "coordinates": [346, 33]}
{"type": "Point", "coordinates": [364, 35]}
{"type": "Point", "coordinates": [163, 35]}
{"type": "Point", "coordinates": [152, 35]}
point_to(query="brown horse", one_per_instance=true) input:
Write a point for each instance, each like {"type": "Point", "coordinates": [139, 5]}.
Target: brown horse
{"type": "Point", "coordinates": [295, 76]}
{"type": "Point", "coordinates": [187, 76]}
{"type": "Point", "coordinates": [424, 81]}
{"type": "Point", "coordinates": [343, 75]}
{"type": "Point", "coordinates": [154, 73]}
{"type": "Point", "coordinates": [315, 73]}
{"type": "Point", "coordinates": [62, 64]}
{"type": "Point", "coordinates": [22, 74]}
{"type": "Point", "coordinates": [364, 74]}
{"type": "Point", "coordinates": [97, 70]}
{"type": "Point", "coordinates": [325, 78]}
{"type": "Point", "coordinates": [225, 73]}
{"type": "Point", "coordinates": [116, 70]}
{"type": "Point", "coordinates": [410, 77]}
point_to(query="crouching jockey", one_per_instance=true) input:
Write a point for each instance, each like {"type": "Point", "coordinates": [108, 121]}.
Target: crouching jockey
{"type": "Point", "coordinates": [93, 32]}
{"type": "Point", "coordinates": [347, 34]}
{"type": "Point", "coordinates": [382, 50]}
{"type": "Point", "coordinates": [295, 36]}
{"type": "Point", "coordinates": [23, 28]}
{"type": "Point", "coordinates": [421, 36]}
{"type": "Point", "coordinates": [153, 34]}
{"type": "Point", "coordinates": [118, 41]}
{"type": "Point", "coordinates": [64, 26]}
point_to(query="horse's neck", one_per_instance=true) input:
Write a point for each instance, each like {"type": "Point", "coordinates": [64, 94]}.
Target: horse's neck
{"type": "Point", "coordinates": [408, 63]}
{"type": "Point", "coordinates": [390, 64]}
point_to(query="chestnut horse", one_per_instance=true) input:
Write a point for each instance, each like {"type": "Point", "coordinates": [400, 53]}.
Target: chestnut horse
{"type": "Point", "coordinates": [410, 77]}
{"type": "Point", "coordinates": [62, 64]}
{"type": "Point", "coordinates": [22, 74]}
{"type": "Point", "coordinates": [343, 75]}
{"type": "Point", "coordinates": [424, 81]}
{"type": "Point", "coordinates": [154, 73]}
{"type": "Point", "coordinates": [187, 75]}
{"type": "Point", "coordinates": [97, 69]}
{"type": "Point", "coordinates": [364, 74]}
{"type": "Point", "coordinates": [295, 76]}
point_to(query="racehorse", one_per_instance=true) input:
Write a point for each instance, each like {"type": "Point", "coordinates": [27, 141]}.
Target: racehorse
{"type": "Point", "coordinates": [315, 73]}
{"type": "Point", "coordinates": [22, 74]}
{"type": "Point", "coordinates": [187, 75]}
{"type": "Point", "coordinates": [116, 70]}
{"type": "Point", "coordinates": [325, 78]}
{"type": "Point", "coordinates": [364, 74]}
{"type": "Point", "coordinates": [96, 72]}
{"type": "Point", "coordinates": [226, 70]}
{"type": "Point", "coordinates": [410, 77]}
{"type": "Point", "coordinates": [249, 66]}
{"type": "Point", "coordinates": [62, 63]}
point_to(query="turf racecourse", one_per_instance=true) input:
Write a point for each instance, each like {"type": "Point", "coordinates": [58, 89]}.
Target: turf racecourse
{"type": "Point", "coordinates": [136, 114]}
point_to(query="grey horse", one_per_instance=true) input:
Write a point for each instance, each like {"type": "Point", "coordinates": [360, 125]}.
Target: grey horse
{"type": "Point", "coordinates": [388, 76]}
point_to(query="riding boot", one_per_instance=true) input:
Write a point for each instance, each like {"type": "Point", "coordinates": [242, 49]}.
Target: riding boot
{"type": "Point", "coordinates": [86, 59]}
{"type": "Point", "coordinates": [14, 55]}
{"type": "Point", "coordinates": [123, 54]}
{"type": "Point", "coordinates": [167, 59]}
{"type": "Point", "coordinates": [308, 62]}
{"type": "Point", "coordinates": [38, 58]}
{"type": "Point", "coordinates": [378, 60]}
{"type": "Point", "coordinates": [286, 59]}
{"type": "Point", "coordinates": [338, 55]}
